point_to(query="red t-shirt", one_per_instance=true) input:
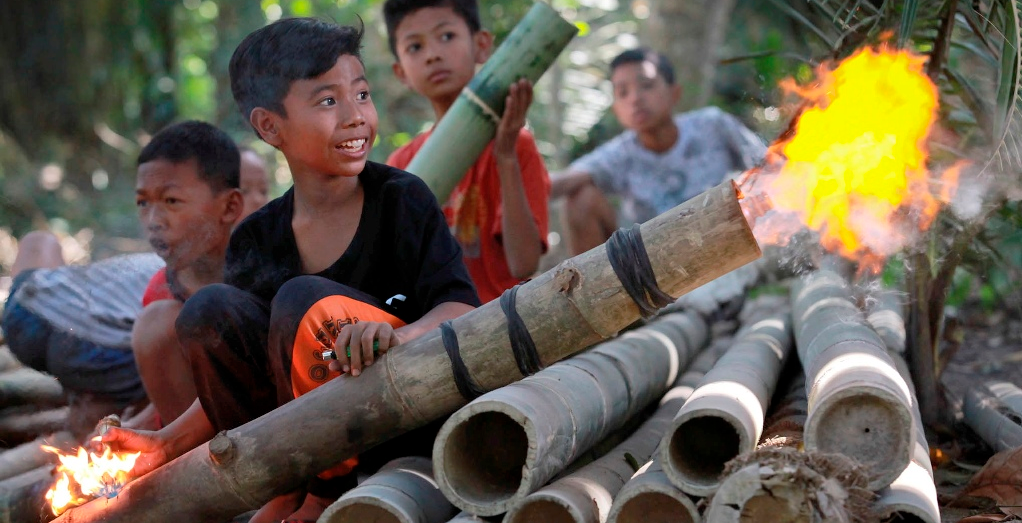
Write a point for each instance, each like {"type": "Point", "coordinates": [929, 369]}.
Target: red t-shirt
{"type": "Point", "coordinates": [158, 288]}
{"type": "Point", "coordinates": [474, 210]}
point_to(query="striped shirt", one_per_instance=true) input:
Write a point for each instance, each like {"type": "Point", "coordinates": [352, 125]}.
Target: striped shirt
{"type": "Point", "coordinates": [97, 302]}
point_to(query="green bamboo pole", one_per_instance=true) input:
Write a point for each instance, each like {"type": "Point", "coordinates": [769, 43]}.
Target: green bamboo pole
{"type": "Point", "coordinates": [402, 491]}
{"type": "Point", "coordinates": [471, 123]}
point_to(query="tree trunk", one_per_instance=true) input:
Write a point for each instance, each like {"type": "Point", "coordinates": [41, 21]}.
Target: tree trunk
{"type": "Point", "coordinates": [572, 306]}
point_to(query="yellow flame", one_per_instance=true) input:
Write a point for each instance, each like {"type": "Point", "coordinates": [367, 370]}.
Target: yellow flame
{"type": "Point", "coordinates": [87, 475]}
{"type": "Point", "coordinates": [854, 169]}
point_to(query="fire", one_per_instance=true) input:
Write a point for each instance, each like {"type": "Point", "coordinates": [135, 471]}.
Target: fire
{"type": "Point", "coordinates": [854, 169]}
{"type": "Point", "coordinates": [87, 475]}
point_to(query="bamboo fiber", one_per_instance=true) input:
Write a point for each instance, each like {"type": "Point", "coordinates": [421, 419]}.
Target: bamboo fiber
{"type": "Point", "coordinates": [403, 491]}
{"type": "Point", "coordinates": [724, 416]}
{"type": "Point", "coordinates": [585, 495]}
{"type": "Point", "coordinates": [859, 405]}
{"type": "Point", "coordinates": [508, 443]}
{"type": "Point", "coordinates": [568, 308]}
{"type": "Point", "coordinates": [471, 123]}
{"type": "Point", "coordinates": [648, 496]}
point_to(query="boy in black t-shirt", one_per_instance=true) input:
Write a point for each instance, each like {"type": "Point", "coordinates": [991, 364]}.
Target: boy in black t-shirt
{"type": "Point", "coordinates": [356, 254]}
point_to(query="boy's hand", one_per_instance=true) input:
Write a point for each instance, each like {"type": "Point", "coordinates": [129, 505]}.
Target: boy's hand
{"type": "Point", "coordinates": [360, 337]}
{"type": "Point", "coordinates": [150, 444]}
{"type": "Point", "coordinates": [516, 106]}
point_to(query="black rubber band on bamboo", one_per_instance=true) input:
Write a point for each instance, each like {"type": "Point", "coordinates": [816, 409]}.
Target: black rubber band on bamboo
{"type": "Point", "coordinates": [627, 255]}
{"type": "Point", "coordinates": [522, 344]}
{"type": "Point", "coordinates": [468, 388]}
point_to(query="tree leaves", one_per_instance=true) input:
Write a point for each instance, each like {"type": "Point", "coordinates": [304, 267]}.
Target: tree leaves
{"type": "Point", "coordinates": [1000, 480]}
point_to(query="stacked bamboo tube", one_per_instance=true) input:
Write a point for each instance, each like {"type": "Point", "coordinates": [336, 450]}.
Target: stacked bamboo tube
{"type": "Point", "coordinates": [724, 417]}
{"type": "Point", "coordinates": [508, 443]}
{"type": "Point", "coordinates": [992, 418]}
{"type": "Point", "coordinates": [859, 405]}
{"type": "Point", "coordinates": [402, 491]}
{"type": "Point", "coordinates": [572, 306]}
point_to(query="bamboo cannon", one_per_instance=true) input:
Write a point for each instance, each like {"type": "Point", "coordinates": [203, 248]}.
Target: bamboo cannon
{"type": "Point", "coordinates": [403, 491]}
{"type": "Point", "coordinates": [471, 123]}
{"type": "Point", "coordinates": [29, 456]}
{"type": "Point", "coordinates": [724, 416]}
{"type": "Point", "coordinates": [585, 495]}
{"type": "Point", "coordinates": [465, 517]}
{"type": "Point", "coordinates": [508, 443]}
{"type": "Point", "coordinates": [25, 386]}
{"type": "Point", "coordinates": [18, 425]}
{"type": "Point", "coordinates": [859, 405]}
{"type": "Point", "coordinates": [913, 495]}
{"type": "Point", "coordinates": [570, 307]}
{"type": "Point", "coordinates": [7, 360]}
{"type": "Point", "coordinates": [23, 497]}
{"type": "Point", "coordinates": [1009, 394]}
{"type": "Point", "coordinates": [648, 496]}
{"type": "Point", "coordinates": [996, 423]}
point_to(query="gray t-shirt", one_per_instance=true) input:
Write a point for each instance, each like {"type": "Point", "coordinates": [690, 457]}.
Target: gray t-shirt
{"type": "Point", "coordinates": [97, 302]}
{"type": "Point", "coordinates": [711, 145]}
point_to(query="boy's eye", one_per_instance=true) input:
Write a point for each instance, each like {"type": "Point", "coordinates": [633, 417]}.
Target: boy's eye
{"type": "Point", "coordinates": [140, 203]}
{"type": "Point", "coordinates": [412, 48]}
{"type": "Point", "coordinates": [362, 95]}
{"type": "Point", "coordinates": [171, 201]}
{"type": "Point", "coordinates": [447, 36]}
{"type": "Point", "coordinates": [328, 101]}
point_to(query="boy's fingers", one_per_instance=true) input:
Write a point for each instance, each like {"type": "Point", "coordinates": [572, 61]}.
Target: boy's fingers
{"type": "Point", "coordinates": [368, 336]}
{"type": "Point", "coordinates": [355, 343]}
{"type": "Point", "coordinates": [340, 352]}
{"type": "Point", "coordinates": [386, 337]}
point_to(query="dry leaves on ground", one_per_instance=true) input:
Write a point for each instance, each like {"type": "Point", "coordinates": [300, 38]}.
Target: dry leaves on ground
{"type": "Point", "coordinates": [1000, 480]}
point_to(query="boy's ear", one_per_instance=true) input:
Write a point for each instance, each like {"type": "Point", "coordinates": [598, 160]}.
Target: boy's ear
{"type": "Point", "coordinates": [264, 122]}
{"type": "Point", "coordinates": [234, 204]}
{"type": "Point", "coordinates": [675, 94]}
{"type": "Point", "coordinates": [399, 72]}
{"type": "Point", "coordinates": [484, 45]}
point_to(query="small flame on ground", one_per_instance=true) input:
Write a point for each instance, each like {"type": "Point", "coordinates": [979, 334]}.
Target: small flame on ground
{"type": "Point", "coordinates": [87, 475]}
{"type": "Point", "coordinates": [854, 167]}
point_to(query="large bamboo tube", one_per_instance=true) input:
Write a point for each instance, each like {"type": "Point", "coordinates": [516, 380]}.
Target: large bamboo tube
{"type": "Point", "coordinates": [23, 497]}
{"type": "Point", "coordinates": [511, 441]}
{"type": "Point", "coordinates": [19, 425]}
{"type": "Point", "coordinates": [913, 495]}
{"type": "Point", "coordinates": [996, 423]}
{"type": "Point", "coordinates": [403, 491]}
{"type": "Point", "coordinates": [724, 416]}
{"type": "Point", "coordinates": [7, 360]}
{"type": "Point", "coordinates": [586, 495]}
{"type": "Point", "coordinates": [471, 123]}
{"type": "Point", "coordinates": [859, 405]}
{"type": "Point", "coordinates": [29, 456]}
{"type": "Point", "coordinates": [648, 496]}
{"type": "Point", "coordinates": [572, 306]}
{"type": "Point", "coordinates": [1009, 394]}
{"type": "Point", "coordinates": [23, 386]}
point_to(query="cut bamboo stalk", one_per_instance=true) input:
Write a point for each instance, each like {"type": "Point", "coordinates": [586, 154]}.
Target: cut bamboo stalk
{"type": "Point", "coordinates": [859, 405]}
{"type": "Point", "coordinates": [1009, 394]}
{"type": "Point", "coordinates": [471, 122]}
{"type": "Point", "coordinates": [465, 517]}
{"type": "Point", "coordinates": [993, 421]}
{"type": "Point", "coordinates": [913, 495]}
{"type": "Point", "coordinates": [724, 416]}
{"type": "Point", "coordinates": [586, 495]}
{"type": "Point", "coordinates": [23, 497]}
{"type": "Point", "coordinates": [403, 491]}
{"type": "Point", "coordinates": [30, 456]}
{"type": "Point", "coordinates": [648, 496]}
{"type": "Point", "coordinates": [503, 446]}
{"type": "Point", "coordinates": [25, 386]}
{"type": "Point", "coordinates": [7, 360]}
{"type": "Point", "coordinates": [19, 426]}
{"type": "Point", "coordinates": [568, 308]}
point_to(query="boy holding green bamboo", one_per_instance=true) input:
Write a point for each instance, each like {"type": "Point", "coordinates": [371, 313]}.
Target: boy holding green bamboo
{"type": "Point", "coordinates": [499, 210]}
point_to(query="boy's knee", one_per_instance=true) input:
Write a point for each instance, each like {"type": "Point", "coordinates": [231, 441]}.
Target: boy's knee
{"type": "Point", "coordinates": [155, 331]}
{"type": "Point", "coordinates": [585, 204]}
{"type": "Point", "coordinates": [38, 250]}
{"type": "Point", "coordinates": [203, 309]}
{"type": "Point", "coordinates": [297, 294]}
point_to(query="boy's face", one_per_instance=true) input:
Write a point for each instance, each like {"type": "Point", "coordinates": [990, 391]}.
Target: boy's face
{"type": "Point", "coordinates": [181, 216]}
{"type": "Point", "coordinates": [437, 53]}
{"type": "Point", "coordinates": [330, 124]}
{"type": "Point", "coordinates": [642, 99]}
{"type": "Point", "coordinates": [254, 184]}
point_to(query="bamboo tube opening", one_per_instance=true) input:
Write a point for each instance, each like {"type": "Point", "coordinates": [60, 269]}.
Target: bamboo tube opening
{"type": "Point", "coordinates": [484, 457]}
{"type": "Point", "coordinates": [545, 510]}
{"type": "Point", "coordinates": [361, 513]}
{"type": "Point", "coordinates": [902, 517]}
{"type": "Point", "coordinates": [654, 507]}
{"type": "Point", "coordinates": [769, 509]}
{"type": "Point", "coordinates": [700, 458]}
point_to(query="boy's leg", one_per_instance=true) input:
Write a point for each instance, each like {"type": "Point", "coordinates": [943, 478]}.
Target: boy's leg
{"type": "Point", "coordinates": [161, 361]}
{"type": "Point", "coordinates": [38, 250]}
{"type": "Point", "coordinates": [589, 219]}
{"type": "Point", "coordinates": [222, 330]}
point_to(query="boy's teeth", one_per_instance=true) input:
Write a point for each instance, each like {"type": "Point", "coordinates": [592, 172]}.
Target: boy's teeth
{"type": "Point", "coordinates": [353, 144]}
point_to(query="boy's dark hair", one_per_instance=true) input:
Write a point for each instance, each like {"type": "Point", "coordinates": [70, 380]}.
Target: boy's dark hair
{"type": "Point", "coordinates": [268, 60]}
{"type": "Point", "coordinates": [215, 152]}
{"type": "Point", "coordinates": [645, 54]}
{"type": "Point", "coordinates": [394, 11]}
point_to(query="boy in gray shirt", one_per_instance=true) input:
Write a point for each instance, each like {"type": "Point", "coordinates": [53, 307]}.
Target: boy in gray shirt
{"type": "Point", "coordinates": [661, 159]}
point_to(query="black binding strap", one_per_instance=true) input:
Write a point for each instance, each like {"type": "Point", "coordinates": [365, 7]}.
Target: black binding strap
{"type": "Point", "coordinates": [522, 345]}
{"type": "Point", "coordinates": [466, 385]}
{"type": "Point", "coordinates": [628, 257]}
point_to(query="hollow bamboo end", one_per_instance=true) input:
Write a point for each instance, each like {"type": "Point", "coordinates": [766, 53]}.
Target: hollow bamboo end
{"type": "Point", "coordinates": [699, 444]}
{"type": "Point", "coordinates": [654, 504]}
{"type": "Point", "coordinates": [480, 458]}
{"type": "Point", "coordinates": [545, 508]}
{"type": "Point", "coordinates": [360, 509]}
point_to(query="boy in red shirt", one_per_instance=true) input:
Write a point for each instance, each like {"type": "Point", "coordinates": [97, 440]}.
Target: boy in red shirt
{"type": "Point", "coordinates": [499, 210]}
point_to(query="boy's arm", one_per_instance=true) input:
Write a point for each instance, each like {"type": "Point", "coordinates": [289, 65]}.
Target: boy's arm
{"type": "Point", "coordinates": [437, 315]}
{"type": "Point", "coordinates": [566, 183]}
{"type": "Point", "coordinates": [521, 237]}
{"type": "Point", "coordinates": [188, 431]}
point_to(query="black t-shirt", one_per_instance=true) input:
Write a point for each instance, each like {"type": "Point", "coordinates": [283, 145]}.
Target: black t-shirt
{"type": "Point", "coordinates": [402, 246]}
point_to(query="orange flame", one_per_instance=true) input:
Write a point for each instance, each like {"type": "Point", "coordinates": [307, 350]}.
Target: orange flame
{"type": "Point", "coordinates": [854, 169]}
{"type": "Point", "coordinates": [87, 475]}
